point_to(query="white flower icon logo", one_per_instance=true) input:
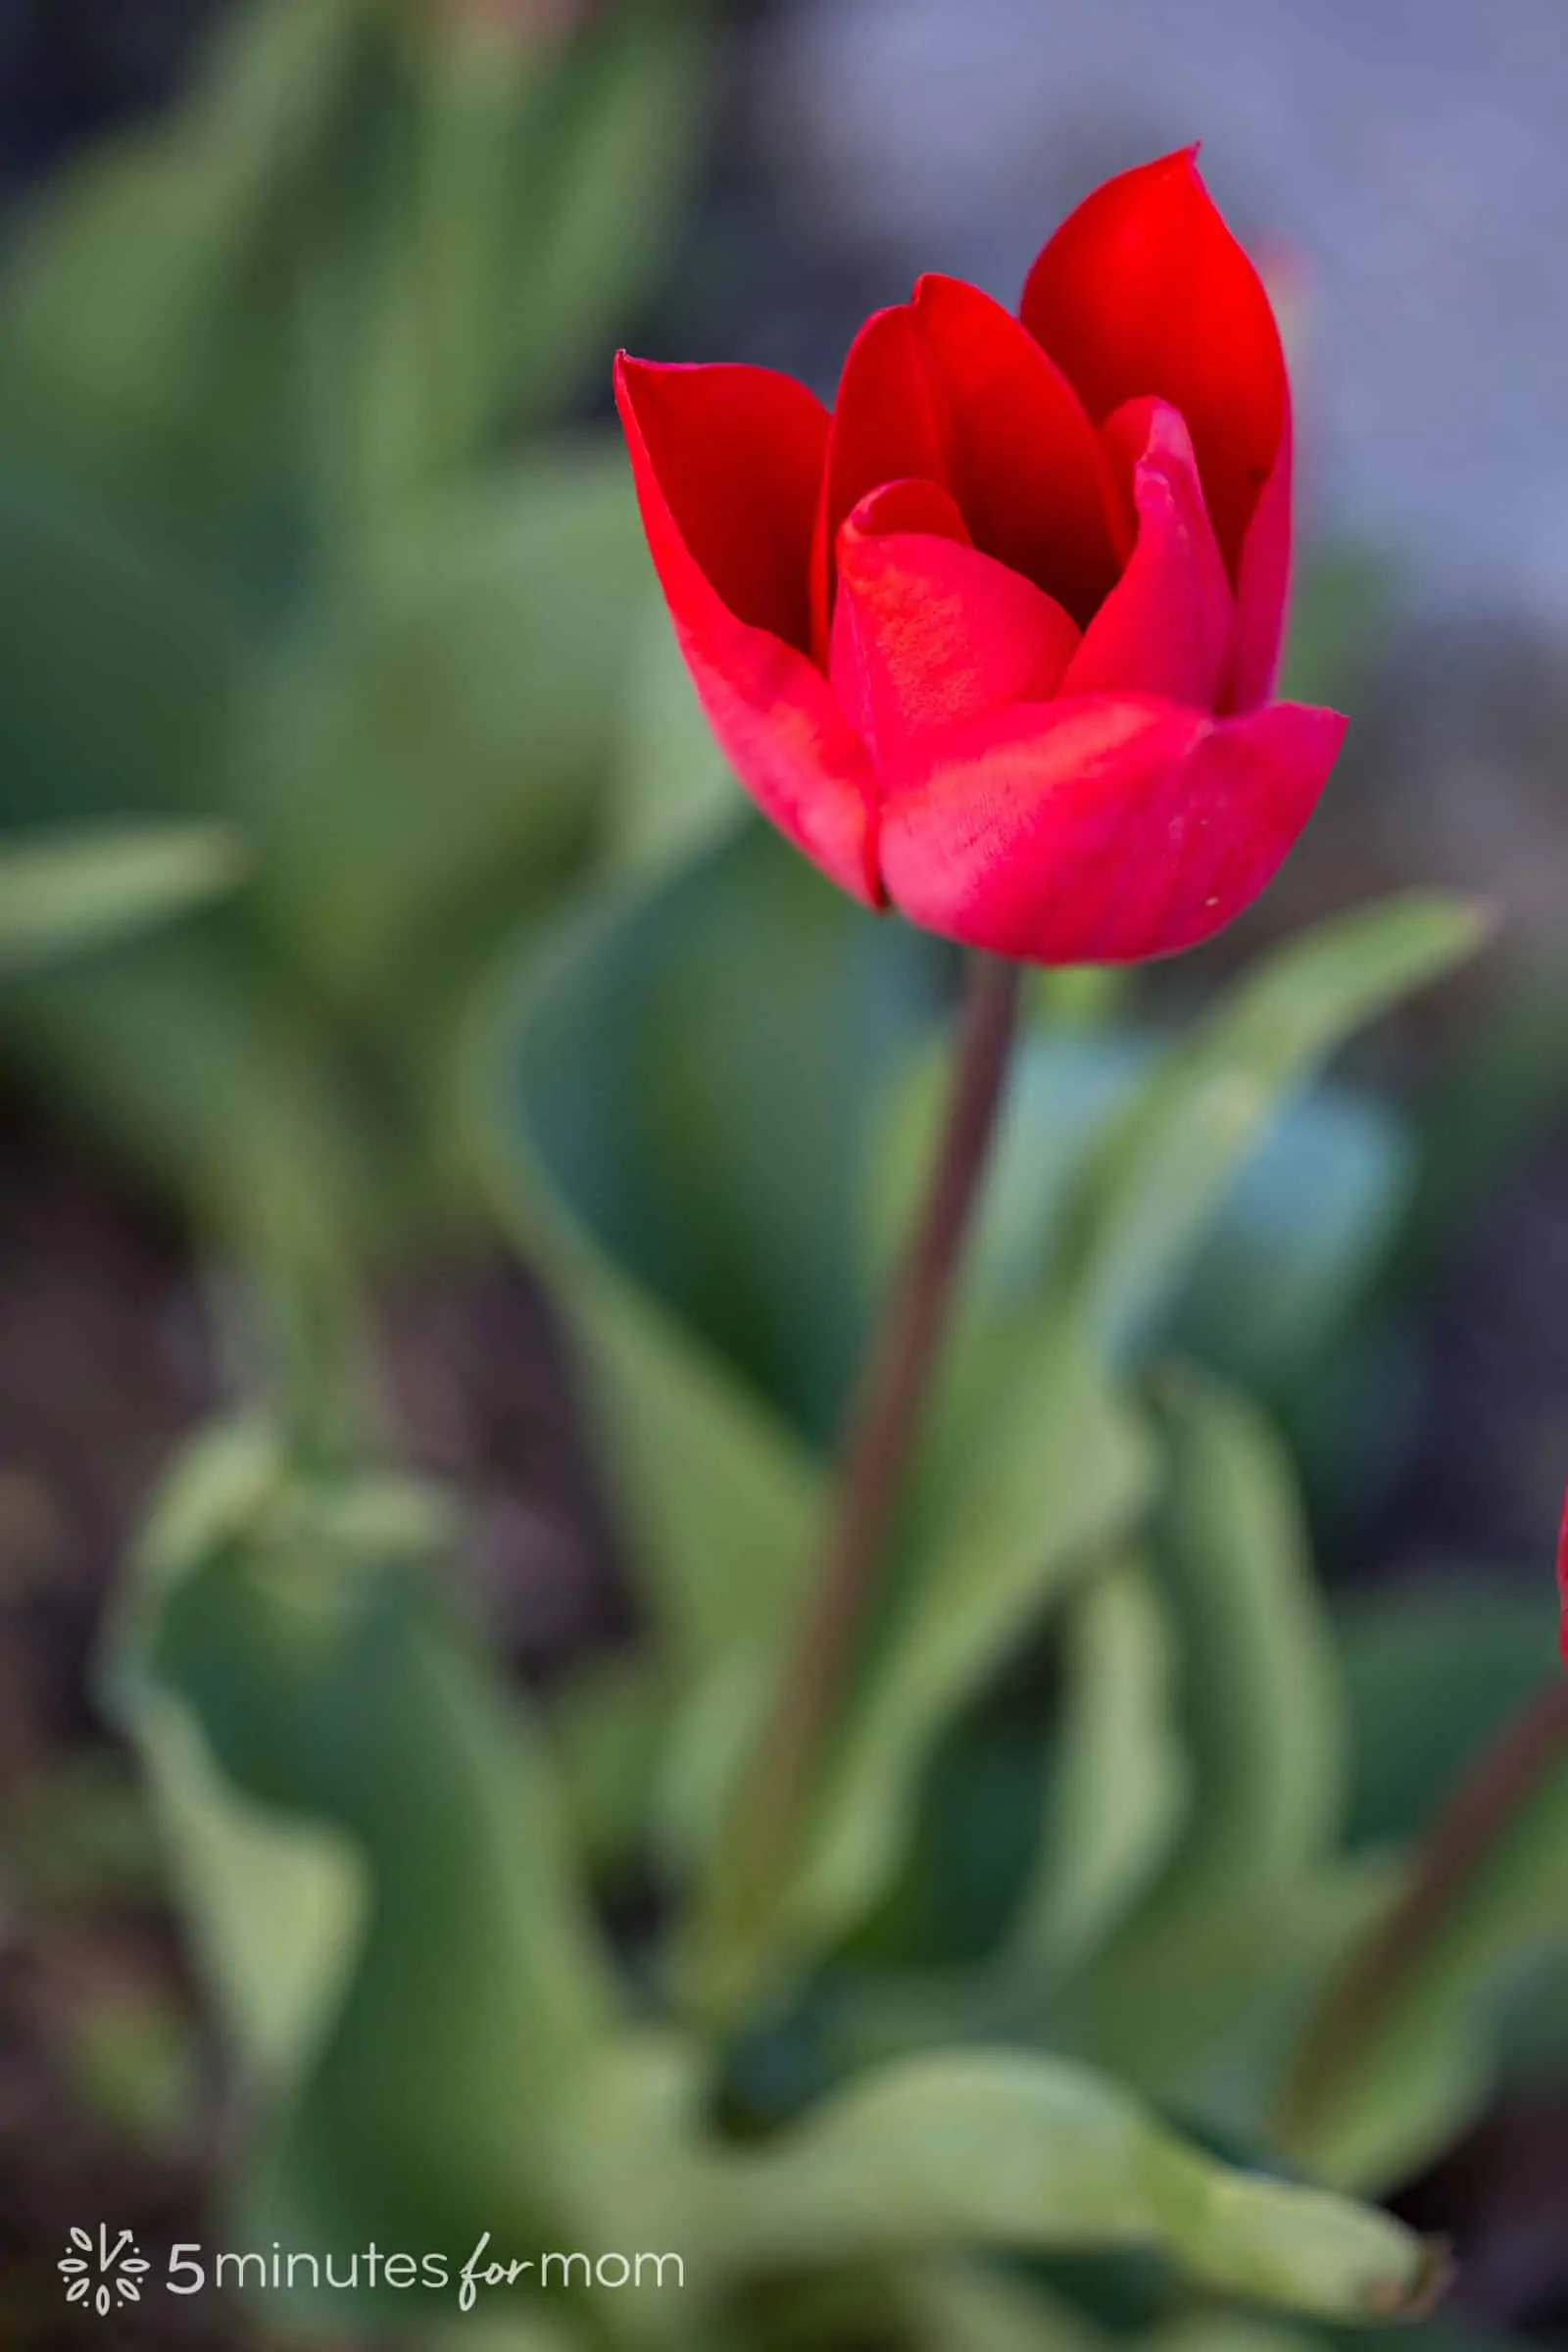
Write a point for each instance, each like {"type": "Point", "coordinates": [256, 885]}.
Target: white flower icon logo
{"type": "Point", "coordinates": [101, 2272]}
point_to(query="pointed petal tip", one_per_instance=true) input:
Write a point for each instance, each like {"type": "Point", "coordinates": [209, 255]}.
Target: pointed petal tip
{"type": "Point", "coordinates": [626, 376]}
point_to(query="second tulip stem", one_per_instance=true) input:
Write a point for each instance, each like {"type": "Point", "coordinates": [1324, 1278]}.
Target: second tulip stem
{"type": "Point", "coordinates": [883, 1425]}
{"type": "Point", "coordinates": [1458, 1846]}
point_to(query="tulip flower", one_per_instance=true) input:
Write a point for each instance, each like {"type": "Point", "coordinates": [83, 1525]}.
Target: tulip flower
{"type": "Point", "coordinates": [995, 643]}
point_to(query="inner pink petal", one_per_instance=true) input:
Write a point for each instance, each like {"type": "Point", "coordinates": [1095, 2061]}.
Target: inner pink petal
{"type": "Point", "coordinates": [927, 631]}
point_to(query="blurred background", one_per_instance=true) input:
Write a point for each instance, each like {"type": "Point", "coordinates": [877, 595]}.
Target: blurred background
{"type": "Point", "coordinates": [314, 526]}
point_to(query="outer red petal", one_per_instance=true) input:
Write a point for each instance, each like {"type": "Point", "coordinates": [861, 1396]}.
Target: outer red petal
{"type": "Point", "coordinates": [726, 462]}
{"type": "Point", "coordinates": [1143, 289]}
{"type": "Point", "coordinates": [951, 389]}
{"type": "Point", "coordinates": [926, 630]}
{"type": "Point", "coordinates": [1101, 829]}
{"type": "Point", "coordinates": [1168, 625]}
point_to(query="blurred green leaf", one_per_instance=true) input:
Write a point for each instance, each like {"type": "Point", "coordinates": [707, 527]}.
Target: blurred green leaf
{"type": "Point", "coordinates": [1033, 1467]}
{"type": "Point", "coordinates": [1006, 2149]}
{"type": "Point", "coordinates": [422, 768]}
{"type": "Point", "coordinates": [63, 893]}
{"type": "Point", "coordinates": [1067, 1088]}
{"type": "Point", "coordinates": [620, 157]}
{"type": "Point", "coordinates": [964, 2308]}
{"type": "Point", "coordinates": [608, 1723]}
{"type": "Point", "coordinates": [209, 1070]}
{"type": "Point", "coordinates": [1150, 1192]}
{"type": "Point", "coordinates": [1432, 1672]}
{"type": "Point", "coordinates": [674, 1105]}
{"type": "Point", "coordinates": [356, 252]}
{"type": "Point", "coordinates": [1308, 1222]}
{"type": "Point", "coordinates": [136, 315]}
{"type": "Point", "coordinates": [482, 2331]}
{"type": "Point", "coordinates": [276, 1904]}
{"type": "Point", "coordinates": [121, 655]}
{"type": "Point", "coordinates": [1262, 1721]}
{"type": "Point", "coordinates": [1226, 2331]}
{"type": "Point", "coordinates": [371, 1849]}
{"type": "Point", "coordinates": [1280, 1237]}
{"type": "Point", "coordinates": [1121, 1785]}
{"type": "Point", "coordinates": [519, 184]}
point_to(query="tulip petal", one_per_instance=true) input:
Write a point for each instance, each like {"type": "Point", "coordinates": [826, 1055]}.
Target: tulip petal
{"type": "Point", "coordinates": [1167, 626]}
{"type": "Point", "coordinates": [1143, 291]}
{"type": "Point", "coordinates": [738, 453]}
{"type": "Point", "coordinates": [726, 462]}
{"type": "Point", "coordinates": [1262, 588]}
{"type": "Point", "coordinates": [949, 388]}
{"type": "Point", "coordinates": [1101, 829]}
{"type": "Point", "coordinates": [926, 630]}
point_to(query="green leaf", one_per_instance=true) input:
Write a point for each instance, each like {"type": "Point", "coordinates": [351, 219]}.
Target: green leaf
{"type": "Point", "coordinates": [371, 1847]}
{"type": "Point", "coordinates": [1120, 1783]}
{"type": "Point", "coordinates": [499, 194]}
{"type": "Point", "coordinates": [673, 1109]}
{"type": "Point", "coordinates": [621, 157]}
{"type": "Point", "coordinates": [1010, 2151]}
{"type": "Point", "coordinates": [1067, 1089]}
{"type": "Point", "coordinates": [120, 652]}
{"type": "Point", "coordinates": [608, 1722]}
{"type": "Point", "coordinates": [62, 894]}
{"type": "Point", "coordinates": [1266, 1269]}
{"type": "Point", "coordinates": [212, 1077]}
{"type": "Point", "coordinates": [485, 649]}
{"type": "Point", "coordinates": [997, 2150]}
{"type": "Point", "coordinates": [962, 2307]}
{"type": "Point", "coordinates": [1307, 1224]}
{"type": "Point", "coordinates": [1226, 2331]}
{"type": "Point", "coordinates": [1162, 1174]}
{"type": "Point", "coordinates": [138, 312]}
{"type": "Point", "coordinates": [480, 2331]}
{"type": "Point", "coordinates": [1262, 1721]}
{"type": "Point", "coordinates": [1034, 1467]}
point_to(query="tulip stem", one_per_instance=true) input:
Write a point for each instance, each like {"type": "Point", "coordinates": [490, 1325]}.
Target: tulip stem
{"type": "Point", "coordinates": [883, 1424]}
{"type": "Point", "coordinates": [1456, 1849]}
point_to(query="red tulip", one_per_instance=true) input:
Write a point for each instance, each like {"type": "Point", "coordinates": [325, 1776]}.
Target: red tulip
{"type": "Point", "coordinates": [1562, 1579]}
{"type": "Point", "coordinates": [995, 642]}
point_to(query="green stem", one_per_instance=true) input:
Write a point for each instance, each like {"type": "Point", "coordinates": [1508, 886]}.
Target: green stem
{"type": "Point", "coordinates": [758, 1844]}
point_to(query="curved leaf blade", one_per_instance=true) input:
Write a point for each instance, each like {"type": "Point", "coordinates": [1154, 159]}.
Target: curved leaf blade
{"type": "Point", "coordinates": [1004, 2150]}
{"type": "Point", "coordinates": [1149, 1195]}
{"type": "Point", "coordinates": [1262, 1722]}
{"type": "Point", "coordinates": [67, 892]}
